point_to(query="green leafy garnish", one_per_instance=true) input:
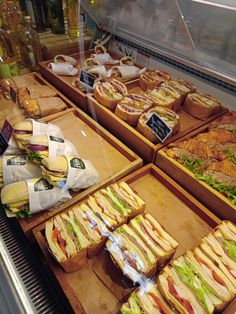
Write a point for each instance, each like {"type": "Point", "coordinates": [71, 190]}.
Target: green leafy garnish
{"type": "Point", "coordinates": [34, 156]}
{"type": "Point", "coordinates": [23, 213]}
{"type": "Point", "coordinates": [231, 249]}
{"type": "Point", "coordinates": [231, 155]}
{"type": "Point", "coordinates": [133, 307]}
{"type": "Point", "coordinates": [194, 165]}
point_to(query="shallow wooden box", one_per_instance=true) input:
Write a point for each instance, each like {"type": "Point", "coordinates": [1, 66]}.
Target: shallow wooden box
{"type": "Point", "coordinates": [99, 287]}
{"type": "Point", "coordinates": [64, 83]}
{"type": "Point", "coordinates": [112, 159]}
{"type": "Point", "coordinates": [130, 136]}
{"type": "Point", "coordinates": [211, 198]}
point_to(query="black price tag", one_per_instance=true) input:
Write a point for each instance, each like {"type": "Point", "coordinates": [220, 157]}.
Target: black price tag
{"type": "Point", "coordinates": [13, 94]}
{"type": "Point", "coordinates": [159, 127]}
{"type": "Point", "coordinates": [87, 78]}
{"type": "Point", "coordinates": [5, 136]}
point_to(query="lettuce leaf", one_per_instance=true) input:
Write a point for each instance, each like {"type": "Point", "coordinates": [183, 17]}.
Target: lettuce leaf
{"type": "Point", "coordinates": [23, 213]}
{"type": "Point", "coordinates": [34, 156]}
{"type": "Point", "coordinates": [231, 249]}
{"type": "Point", "coordinates": [231, 155]}
{"type": "Point", "coordinates": [194, 165]}
{"type": "Point", "coordinates": [133, 308]}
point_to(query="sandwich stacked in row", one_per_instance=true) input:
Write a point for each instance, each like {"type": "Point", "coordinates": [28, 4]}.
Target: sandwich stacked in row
{"type": "Point", "coordinates": [81, 231]}
{"type": "Point", "coordinates": [203, 280]}
{"type": "Point", "coordinates": [141, 248]}
{"type": "Point", "coordinates": [36, 100]}
{"type": "Point", "coordinates": [211, 156]}
{"type": "Point", "coordinates": [41, 179]}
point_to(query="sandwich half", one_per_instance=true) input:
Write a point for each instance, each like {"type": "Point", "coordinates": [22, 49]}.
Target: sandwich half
{"type": "Point", "coordinates": [22, 133]}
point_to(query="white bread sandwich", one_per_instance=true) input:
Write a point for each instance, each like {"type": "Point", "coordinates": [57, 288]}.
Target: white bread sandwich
{"type": "Point", "coordinates": [147, 299]}
{"type": "Point", "coordinates": [162, 245]}
{"type": "Point", "coordinates": [131, 107]}
{"type": "Point", "coordinates": [177, 293]}
{"type": "Point", "coordinates": [110, 93]}
{"type": "Point", "coordinates": [168, 116]}
{"type": "Point", "coordinates": [152, 79]}
{"type": "Point", "coordinates": [131, 254]}
{"type": "Point", "coordinates": [183, 87]}
{"type": "Point", "coordinates": [201, 106]}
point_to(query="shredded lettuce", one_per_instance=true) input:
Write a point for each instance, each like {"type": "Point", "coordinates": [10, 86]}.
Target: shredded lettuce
{"type": "Point", "coordinates": [34, 156]}
{"type": "Point", "coordinates": [133, 307]}
{"type": "Point", "coordinates": [231, 249]}
{"type": "Point", "coordinates": [194, 165]}
{"type": "Point", "coordinates": [23, 213]}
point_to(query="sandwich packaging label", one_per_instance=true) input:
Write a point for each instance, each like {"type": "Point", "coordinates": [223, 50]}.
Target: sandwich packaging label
{"type": "Point", "coordinates": [5, 136]}
{"type": "Point", "coordinates": [43, 195]}
{"type": "Point", "coordinates": [57, 146]}
{"type": "Point", "coordinates": [45, 128]}
{"type": "Point", "coordinates": [159, 127]}
{"type": "Point", "coordinates": [81, 173]}
{"type": "Point", "coordinates": [18, 168]}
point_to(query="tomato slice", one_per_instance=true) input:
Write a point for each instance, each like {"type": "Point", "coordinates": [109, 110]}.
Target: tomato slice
{"type": "Point", "coordinates": [217, 278]}
{"type": "Point", "coordinates": [159, 304]}
{"type": "Point", "coordinates": [61, 242]}
{"type": "Point", "coordinates": [130, 261]}
{"type": "Point", "coordinates": [55, 234]}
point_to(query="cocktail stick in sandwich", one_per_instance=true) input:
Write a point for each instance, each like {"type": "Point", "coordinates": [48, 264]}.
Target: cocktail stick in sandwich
{"type": "Point", "coordinates": [166, 97]}
{"type": "Point", "coordinates": [212, 274]}
{"type": "Point", "coordinates": [162, 245]}
{"type": "Point", "coordinates": [131, 254]}
{"type": "Point", "coordinates": [168, 116]}
{"type": "Point", "coordinates": [110, 93]}
{"type": "Point", "coordinates": [152, 79]}
{"type": "Point", "coordinates": [195, 281]}
{"type": "Point", "coordinates": [177, 293]}
{"type": "Point", "coordinates": [148, 300]}
{"type": "Point", "coordinates": [183, 87]}
{"type": "Point", "coordinates": [131, 107]}
{"type": "Point", "coordinates": [15, 196]}
{"type": "Point", "coordinates": [201, 105]}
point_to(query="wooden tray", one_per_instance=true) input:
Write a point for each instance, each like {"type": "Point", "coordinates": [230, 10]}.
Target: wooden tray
{"type": "Point", "coordinates": [64, 83]}
{"type": "Point", "coordinates": [211, 198]}
{"type": "Point", "coordinates": [98, 287]}
{"type": "Point", "coordinates": [130, 136]}
{"type": "Point", "coordinates": [111, 158]}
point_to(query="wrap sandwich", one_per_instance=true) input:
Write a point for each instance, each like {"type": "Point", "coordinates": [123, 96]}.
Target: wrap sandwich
{"type": "Point", "coordinates": [71, 172]}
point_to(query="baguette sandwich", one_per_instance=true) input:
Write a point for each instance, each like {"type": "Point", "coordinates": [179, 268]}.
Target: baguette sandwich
{"type": "Point", "coordinates": [131, 107]}
{"type": "Point", "coordinates": [165, 96]}
{"type": "Point", "coordinates": [41, 146]}
{"type": "Point", "coordinates": [162, 245]}
{"type": "Point", "coordinates": [201, 106]}
{"type": "Point", "coordinates": [25, 129]}
{"type": "Point", "coordinates": [146, 300]}
{"type": "Point", "coordinates": [183, 87]}
{"type": "Point", "coordinates": [168, 116]}
{"type": "Point", "coordinates": [26, 197]}
{"type": "Point", "coordinates": [72, 172]}
{"type": "Point", "coordinates": [110, 93]}
{"type": "Point", "coordinates": [116, 204]}
{"type": "Point", "coordinates": [152, 79]}
{"type": "Point", "coordinates": [131, 254]}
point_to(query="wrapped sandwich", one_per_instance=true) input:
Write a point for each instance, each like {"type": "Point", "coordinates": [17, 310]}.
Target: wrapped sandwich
{"type": "Point", "coordinates": [162, 245]}
{"type": "Point", "coordinates": [131, 107]}
{"type": "Point", "coordinates": [126, 61]}
{"type": "Point", "coordinates": [130, 253]}
{"type": "Point", "coordinates": [116, 204]}
{"type": "Point", "coordinates": [126, 72]}
{"type": "Point", "coordinates": [24, 130]}
{"type": "Point", "coordinates": [100, 72]}
{"type": "Point", "coordinates": [201, 106]}
{"type": "Point", "coordinates": [152, 79]}
{"type": "Point", "coordinates": [24, 198]}
{"type": "Point", "coordinates": [90, 63]}
{"type": "Point", "coordinates": [183, 87]}
{"type": "Point", "coordinates": [41, 146]}
{"type": "Point", "coordinates": [166, 97]}
{"type": "Point", "coordinates": [70, 172]}
{"type": "Point", "coordinates": [74, 235]}
{"type": "Point", "coordinates": [17, 168]}
{"type": "Point", "coordinates": [110, 93]}
{"type": "Point", "coordinates": [100, 49]}
{"type": "Point", "coordinates": [168, 116]}
{"type": "Point", "coordinates": [147, 299]}
{"type": "Point", "coordinates": [65, 59]}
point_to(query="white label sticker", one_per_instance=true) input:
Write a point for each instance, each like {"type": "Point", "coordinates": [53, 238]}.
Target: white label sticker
{"type": "Point", "coordinates": [43, 195]}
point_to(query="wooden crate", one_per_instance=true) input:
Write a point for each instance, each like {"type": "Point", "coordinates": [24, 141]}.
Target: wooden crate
{"type": "Point", "coordinates": [111, 158]}
{"type": "Point", "coordinates": [98, 287]}
{"type": "Point", "coordinates": [211, 198]}
{"type": "Point", "coordinates": [130, 136]}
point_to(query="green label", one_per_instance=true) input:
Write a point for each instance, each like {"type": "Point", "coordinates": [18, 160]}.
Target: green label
{"type": "Point", "coordinates": [42, 185]}
{"type": "Point", "coordinates": [17, 161]}
{"type": "Point", "coordinates": [56, 139]}
{"type": "Point", "coordinates": [77, 163]}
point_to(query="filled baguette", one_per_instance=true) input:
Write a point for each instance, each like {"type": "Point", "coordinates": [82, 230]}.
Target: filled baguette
{"type": "Point", "coordinates": [131, 107]}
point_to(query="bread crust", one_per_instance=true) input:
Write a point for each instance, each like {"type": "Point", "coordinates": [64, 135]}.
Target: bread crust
{"type": "Point", "coordinates": [96, 248]}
